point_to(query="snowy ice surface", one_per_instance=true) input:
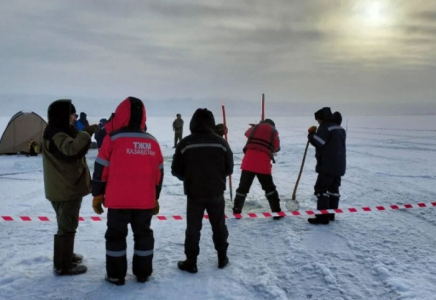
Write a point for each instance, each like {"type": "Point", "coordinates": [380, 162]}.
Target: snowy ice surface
{"type": "Point", "coordinates": [365, 255]}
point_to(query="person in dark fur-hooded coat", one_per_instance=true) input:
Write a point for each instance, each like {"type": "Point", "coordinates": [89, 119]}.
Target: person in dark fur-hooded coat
{"type": "Point", "coordinates": [66, 180]}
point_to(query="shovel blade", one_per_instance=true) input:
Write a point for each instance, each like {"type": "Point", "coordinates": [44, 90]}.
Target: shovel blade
{"type": "Point", "coordinates": [292, 205]}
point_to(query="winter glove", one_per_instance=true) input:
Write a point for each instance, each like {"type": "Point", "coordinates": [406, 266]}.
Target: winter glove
{"type": "Point", "coordinates": [156, 208]}
{"type": "Point", "coordinates": [312, 129]}
{"type": "Point", "coordinates": [97, 204]}
{"type": "Point", "coordinates": [91, 129]}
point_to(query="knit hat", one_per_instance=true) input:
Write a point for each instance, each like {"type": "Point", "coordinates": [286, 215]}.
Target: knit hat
{"type": "Point", "coordinates": [270, 122]}
{"type": "Point", "coordinates": [337, 117]}
{"type": "Point", "coordinates": [324, 113]}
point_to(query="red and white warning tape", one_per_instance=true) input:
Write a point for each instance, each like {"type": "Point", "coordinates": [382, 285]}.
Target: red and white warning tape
{"type": "Point", "coordinates": [350, 210]}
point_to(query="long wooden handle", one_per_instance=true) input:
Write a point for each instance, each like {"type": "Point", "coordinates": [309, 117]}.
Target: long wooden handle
{"type": "Point", "coordinates": [301, 171]}
{"type": "Point", "coordinates": [225, 137]}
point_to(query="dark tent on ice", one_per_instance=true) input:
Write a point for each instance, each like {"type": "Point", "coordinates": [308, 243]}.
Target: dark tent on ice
{"type": "Point", "coordinates": [21, 129]}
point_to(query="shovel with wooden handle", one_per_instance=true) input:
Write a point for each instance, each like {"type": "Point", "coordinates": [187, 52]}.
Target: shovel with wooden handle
{"type": "Point", "coordinates": [293, 204]}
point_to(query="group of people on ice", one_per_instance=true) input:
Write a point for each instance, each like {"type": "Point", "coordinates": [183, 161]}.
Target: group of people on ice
{"type": "Point", "coordinates": [128, 176]}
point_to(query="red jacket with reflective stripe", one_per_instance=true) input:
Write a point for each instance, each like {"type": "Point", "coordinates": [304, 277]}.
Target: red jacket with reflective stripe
{"type": "Point", "coordinates": [129, 165]}
{"type": "Point", "coordinates": [263, 141]}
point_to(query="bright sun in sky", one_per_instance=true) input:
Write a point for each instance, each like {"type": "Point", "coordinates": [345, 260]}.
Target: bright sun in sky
{"type": "Point", "coordinates": [365, 30]}
{"type": "Point", "coordinates": [374, 13]}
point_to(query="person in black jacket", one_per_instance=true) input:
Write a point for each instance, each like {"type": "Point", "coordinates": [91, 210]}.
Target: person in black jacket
{"type": "Point", "coordinates": [202, 161]}
{"type": "Point", "coordinates": [101, 132]}
{"type": "Point", "coordinates": [329, 143]}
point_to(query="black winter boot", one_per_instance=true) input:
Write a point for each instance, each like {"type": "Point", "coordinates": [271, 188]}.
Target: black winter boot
{"type": "Point", "coordinates": [142, 279]}
{"type": "Point", "coordinates": [76, 259]}
{"type": "Point", "coordinates": [334, 203]}
{"type": "Point", "coordinates": [116, 281]}
{"type": "Point", "coordinates": [238, 204]}
{"type": "Point", "coordinates": [274, 203]}
{"type": "Point", "coordinates": [319, 219]}
{"type": "Point", "coordinates": [322, 203]}
{"type": "Point", "coordinates": [188, 265]}
{"type": "Point", "coordinates": [223, 260]}
{"type": "Point", "coordinates": [237, 211]}
{"type": "Point", "coordinates": [142, 267]}
{"type": "Point", "coordinates": [63, 255]}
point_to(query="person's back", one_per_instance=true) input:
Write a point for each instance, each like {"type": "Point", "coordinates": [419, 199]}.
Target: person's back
{"type": "Point", "coordinates": [127, 178]}
{"type": "Point", "coordinates": [129, 149]}
{"type": "Point", "coordinates": [203, 159]}
{"type": "Point", "coordinates": [262, 142]}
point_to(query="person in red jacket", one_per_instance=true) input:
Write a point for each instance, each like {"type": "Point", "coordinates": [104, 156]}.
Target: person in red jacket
{"type": "Point", "coordinates": [127, 179]}
{"type": "Point", "coordinates": [263, 141]}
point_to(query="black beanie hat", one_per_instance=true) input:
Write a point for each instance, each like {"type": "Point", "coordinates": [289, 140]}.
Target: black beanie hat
{"type": "Point", "coordinates": [73, 109]}
{"type": "Point", "coordinates": [270, 122]}
{"type": "Point", "coordinates": [337, 118]}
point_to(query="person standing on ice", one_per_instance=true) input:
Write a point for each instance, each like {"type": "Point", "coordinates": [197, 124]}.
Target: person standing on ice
{"type": "Point", "coordinates": [83, 120]}
{"type": "Point", "coordinates": [330, 153]}
{"type": "Point", "coordinates": [178, 129]}
{"type": "Point", "coordinates": [66, 180]}
{"type": "Point", "coordinates": [263, 141]}
{"type": "Point", "coordinates": [101, 132]}
{"type": "Point", "coordinates": [127, 179]}
{"type": "Point", "coordinates": [202, 161]}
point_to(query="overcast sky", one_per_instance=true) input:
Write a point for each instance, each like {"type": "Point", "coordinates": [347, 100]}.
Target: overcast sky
{"type": "Point", "coordinates": [292, 50]}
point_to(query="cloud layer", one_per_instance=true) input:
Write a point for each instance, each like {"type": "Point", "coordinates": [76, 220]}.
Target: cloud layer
{"type": "Point", "coordinates": [334, 51]}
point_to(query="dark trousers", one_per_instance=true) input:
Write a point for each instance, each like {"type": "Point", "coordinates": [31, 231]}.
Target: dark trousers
{"type": "Point", "coordinates": [267, 183]}
{"type": "Point", "coordinates": [67, 215]}
{"type": "Point", "coordinates": [116, 245]}
{"type": "Point", "coordinates": [177, 137]}
{"type": "Point", "coordinates": [327, 191]}
{"type": "Point", "coordinates": [195, 213]}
